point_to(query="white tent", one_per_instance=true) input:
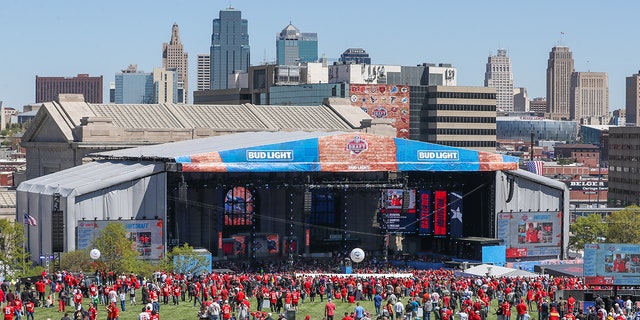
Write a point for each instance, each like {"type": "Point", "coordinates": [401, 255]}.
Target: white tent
{"type": "Point", "coordinates": [484, 270]}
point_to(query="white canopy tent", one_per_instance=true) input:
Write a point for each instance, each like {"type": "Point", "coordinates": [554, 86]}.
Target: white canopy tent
{"type": "Point", "coordinates": [485, 270]}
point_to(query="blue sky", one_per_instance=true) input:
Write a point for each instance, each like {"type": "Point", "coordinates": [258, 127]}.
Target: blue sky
{"type": "Point", "coordinates": [64, 38]}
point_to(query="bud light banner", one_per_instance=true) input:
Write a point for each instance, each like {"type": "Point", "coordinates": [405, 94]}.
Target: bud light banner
{"type": "Point", "coordinates": [424, 223]}
{"type": "Point", "coordinates": [440, 213]}
{"type": "Point", "coordinates": [335, 152]}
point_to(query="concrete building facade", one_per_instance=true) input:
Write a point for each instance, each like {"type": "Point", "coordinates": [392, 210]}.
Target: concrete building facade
{"type": "Point", "coordinates": [174, 58]}
{"type": "Point", "coordinates": [589, 96]}
{"type": "Point", "coordinates": [559, 70]}
{"type": "Point", "coordinates": [458, 116]}
{"type": "Point", "coordinates": [624, 166]}
{"type": "Point", "coordinates": [499, 75]}
{"type": "Point", "coordinates": [204, 75]}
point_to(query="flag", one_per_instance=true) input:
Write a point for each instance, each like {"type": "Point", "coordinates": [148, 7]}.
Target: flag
{"type": "Point", "coordinates": [28, 219]}
{"type": "Point", "coordinates": [455, 207]}
{"type": "Point", "coordinates": [536, 167]}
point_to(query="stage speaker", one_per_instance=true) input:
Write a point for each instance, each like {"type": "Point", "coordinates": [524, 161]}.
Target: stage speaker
{"type": "Point", "coordinates": [57, 231]}
{"type": "Point", "coordinates": [308, 200]}
{"type": "Point", "coordinates": [406, 198]}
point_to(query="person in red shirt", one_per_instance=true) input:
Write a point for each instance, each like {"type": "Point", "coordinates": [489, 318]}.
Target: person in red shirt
{"type": "Point", "coordinates": [8, 312]}
{"type": "Point", "coordinates": [521, 309]}
{"type": "Point", "coordinates": [30, 309]}
{"type": "Point", "coordinates": [329, 309]}
{"type": "Point", "coordinates": [176, 294]}
{"type": "Point", "coordinates": [226, 311]}
{"type": "Point", "coordinates": [17, 307]}
{"type": "Point", "coordinates": [93, 311]}
{"type": "Point", "coordinates": [112, 311]}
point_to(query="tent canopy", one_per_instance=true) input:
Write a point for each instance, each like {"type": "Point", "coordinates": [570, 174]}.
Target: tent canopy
{"type": "Point", "coordinates": [484, 270]}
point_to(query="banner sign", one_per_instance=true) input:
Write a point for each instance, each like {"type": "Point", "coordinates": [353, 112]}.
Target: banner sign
{"type": "Point", "coordinates": [145, 234]}
{"type": "Point", "coordinates": [440, 213]}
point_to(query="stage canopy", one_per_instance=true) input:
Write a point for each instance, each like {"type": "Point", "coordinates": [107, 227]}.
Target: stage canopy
{"type": "Point", "coordinates": [315, 152]}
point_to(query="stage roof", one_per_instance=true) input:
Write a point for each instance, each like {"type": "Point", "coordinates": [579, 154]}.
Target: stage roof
{"type": "Point", "coordinates": [314, 152]}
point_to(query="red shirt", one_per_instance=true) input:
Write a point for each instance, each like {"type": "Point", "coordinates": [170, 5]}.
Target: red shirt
{"type": "Point", "coordinates": [330, 308]}
{"type": "Point", "coordinates": [8, 312]}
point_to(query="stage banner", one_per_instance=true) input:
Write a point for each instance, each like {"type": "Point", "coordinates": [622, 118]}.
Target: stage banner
{"type": "Point", "coordinates": [424, 224]}
{"type": "Point", "coordinates": [382, 101]}
{"type": "Point", "coordinates": [440, 213]}
{"type": "Point", "coordinates": [455, 207]}
{"type": "Point", "coordinates": [239, 245]}
{"type": "Point", "coordinates": [357, 152]}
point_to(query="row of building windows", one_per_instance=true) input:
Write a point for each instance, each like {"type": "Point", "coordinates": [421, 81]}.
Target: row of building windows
{"type": "Point", "coordinates": [469, 144]}
{"type": "Point", "coordinates": [475, 132]}
{"type": "Point", "coordinates": [461, 95]}
{"type": "Point", "coordinates": [451, 119]}
{"type": "Point", "coordinates": [616, 146]}
{"type": "Point", "coordinates": [461, 107]}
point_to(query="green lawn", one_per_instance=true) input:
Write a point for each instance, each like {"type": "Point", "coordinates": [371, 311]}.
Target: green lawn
{"type": "Point", "coordinates": [186, 311]}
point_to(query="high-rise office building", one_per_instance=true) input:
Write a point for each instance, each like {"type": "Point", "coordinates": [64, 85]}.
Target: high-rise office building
{"type": "Point", "coordinates": [293, 47]}
{"type": "Point", "coordinates": [632, 101]}
{"type": "Point", "coordinates": [204, 69]}
{"type": "Point", "coordinates": [138, 87]}
{"type": "Point", "coordinates": [174, 58]}
{"type": "Point", "coordinates": [500, 76]}
{"type": "Point", "coordinates": [48, 88]}
{"type": "Point", "coordinates": [521, 100]}
{"type": "Point", "coordinates": [559, 71]}
{"type": "Point", "coordinates": [455, 116]}
{"type": "Point", "coordinates": [355, 55]}
{"type": "Point", "coordinates": [230, 51]}
{"type": "Point", "coordinates": [133, 86]}
{"type": "Point", "coordinates": [590, 97]}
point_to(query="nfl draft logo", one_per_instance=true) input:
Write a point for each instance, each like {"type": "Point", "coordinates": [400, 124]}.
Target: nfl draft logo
{"type": "Point", "coordinates": [357, 145]}
{"type": "Point", "coordinates": [379, 112]}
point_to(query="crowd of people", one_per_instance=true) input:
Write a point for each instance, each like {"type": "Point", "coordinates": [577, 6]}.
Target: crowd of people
{"type": "Point", "coordinates": [425, 294]}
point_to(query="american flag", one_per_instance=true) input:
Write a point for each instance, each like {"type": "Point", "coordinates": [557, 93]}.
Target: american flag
{"type": "Point", "coordinates": [28, 219]}
{"type": "Point", "coordinates": [536, 167]}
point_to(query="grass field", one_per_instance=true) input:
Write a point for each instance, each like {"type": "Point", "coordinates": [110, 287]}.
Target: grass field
{"type": "Point", "coordinates": [185, 310]}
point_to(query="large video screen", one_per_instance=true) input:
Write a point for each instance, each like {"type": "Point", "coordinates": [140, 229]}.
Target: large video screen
{"type": "Point", "coordinates": [399, 220]}
{"type": "Point", "coordinates": [530, 234]}
{"type": "Point", "coordinates": [239, 205]}
{"type": "Point", "coordinates": [612, 264]}
{"type": "Point", "coordinates": [145, 234]}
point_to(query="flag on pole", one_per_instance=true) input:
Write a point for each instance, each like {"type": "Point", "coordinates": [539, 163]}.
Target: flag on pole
{"type": "Point", "coordinates": [28, 219]}
{"type": "Point", "coordinates": [536, 167]}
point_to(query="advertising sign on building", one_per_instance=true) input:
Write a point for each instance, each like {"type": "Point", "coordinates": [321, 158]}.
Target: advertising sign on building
{"type": "Point", "coordinates": [145, 234]}
{"type": "Point", "coordinates": [530, 234]}
{"type": "Point", "coordinates": [383, 101]}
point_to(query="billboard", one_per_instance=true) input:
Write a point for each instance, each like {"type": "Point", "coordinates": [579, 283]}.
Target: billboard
{"type": "Point", "coordinates": [397, 219]}
{"type": "Point", "coordinates": [440, 213]}
{"type": "Point", "coordinates": [612, 264]}
{"type": "Point", "coordinates": [145, 234]}
{"type": "Point", "coordinates": [383, 101]}
{"type": "Point", "coordinates": [530, 234]}
{"type": "Point", "coordinates": [424, 223]}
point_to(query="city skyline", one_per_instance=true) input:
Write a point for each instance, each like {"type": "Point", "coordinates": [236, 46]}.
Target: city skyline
{"type": "Point", "coordinates": [97, 39]}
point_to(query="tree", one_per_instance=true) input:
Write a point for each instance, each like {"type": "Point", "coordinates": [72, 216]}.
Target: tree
{"type": "Point", "coordinates": [78, 260]}
{"type": "Point", "coordinates": [116, 250]}
{"type": "Point", "coordinates": [589, 229]}
{"type": "Point", "coordinates": [185, 259]}
{"type": "Point", "coordinates": [624, 225]}
{"type": "Point", "coordinates": [13, 255]}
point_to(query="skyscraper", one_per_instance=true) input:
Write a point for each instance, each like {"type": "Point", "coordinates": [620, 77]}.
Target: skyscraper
{"type": "Point", "coordinates": [355, 55]}
{"type": "Point", "coordinates": [133, 86]}
{"type": "Point", "coordinates": [48, 88]}
{"type": "Point", "coordinates": [559, 71]}
{"type": "Point", "coordinates": [294, 47]}
{"type": "Point", "coordinates": [230, 51]}
{"type": "Point", "coordinates": [175, 59]}
{"type": "Point", "coordinates": [500, 76]}
{"type": "Point", "coordinates": [204, 69]}
{"type": "Point", "coordinates": [590, 97]}
{"type": "Point", "coordinates": [632, 101]}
